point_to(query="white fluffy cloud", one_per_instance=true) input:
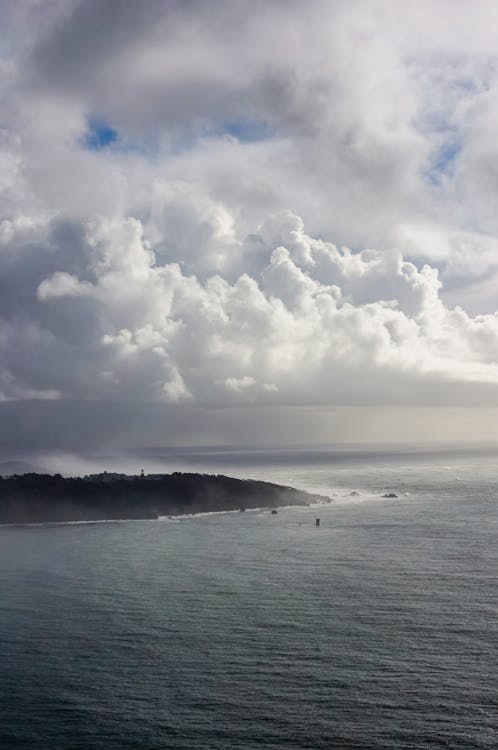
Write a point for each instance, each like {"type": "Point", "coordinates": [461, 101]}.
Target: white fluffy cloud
{"type": "Point", "coordinates": [173, 176]}
{"type": "Point", "coordinates": [315, 325]}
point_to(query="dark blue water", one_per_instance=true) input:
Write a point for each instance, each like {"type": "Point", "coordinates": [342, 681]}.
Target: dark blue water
{"type": "Point", "coordinates": [245, 630]}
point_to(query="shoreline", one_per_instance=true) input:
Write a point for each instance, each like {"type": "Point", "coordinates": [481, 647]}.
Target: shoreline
{"type": "Point", "coordinates": [37, 499]}
{"type": "Point", "coordinates": [337, 501]}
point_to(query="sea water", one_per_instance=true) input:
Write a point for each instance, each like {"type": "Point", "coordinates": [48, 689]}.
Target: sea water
{"type": "Point", "coordinates": [379, 629]}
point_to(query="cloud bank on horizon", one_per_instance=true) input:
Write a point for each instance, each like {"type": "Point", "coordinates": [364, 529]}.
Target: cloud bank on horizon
{"type": "Point", "coordinates": [230, 204]}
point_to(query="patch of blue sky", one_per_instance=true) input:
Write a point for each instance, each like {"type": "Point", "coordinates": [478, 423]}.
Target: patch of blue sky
{"type": "Point", "coordinates": [443, 161]}
{"type": "Point", "coordinates": [98, 135]}
{"type": "Point", "coordinates": [244, 131]}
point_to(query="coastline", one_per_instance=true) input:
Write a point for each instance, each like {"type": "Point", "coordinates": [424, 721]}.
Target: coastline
{"type": "Point", "coordinates": [337, 500]}
{"type": "Point", "coordinates": [32, 499]}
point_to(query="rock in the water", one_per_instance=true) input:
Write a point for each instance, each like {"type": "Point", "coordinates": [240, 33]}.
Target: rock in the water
{"type": "Point", "coordinates": [390, 494]}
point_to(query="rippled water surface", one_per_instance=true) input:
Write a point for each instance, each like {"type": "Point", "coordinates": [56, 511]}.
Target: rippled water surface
{"type": "Point", "coordinates": [245, 630]}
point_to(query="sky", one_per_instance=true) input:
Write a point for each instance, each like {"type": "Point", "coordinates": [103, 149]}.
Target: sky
{"type": "Point", "coordinates": [226, 222]}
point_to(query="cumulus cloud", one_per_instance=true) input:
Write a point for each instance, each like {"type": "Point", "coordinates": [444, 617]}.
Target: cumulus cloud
{"type": "Point", "coordinates": [316, 325]}
{"type": "Point", "coordinates": [62, 284]}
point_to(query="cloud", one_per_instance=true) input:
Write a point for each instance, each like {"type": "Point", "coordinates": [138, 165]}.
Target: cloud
{"type": "Point", "coordinates": [234, 204]}
{"type": "Point", "coordinates": [62, 284]}
{"type": "Point", "coordinates": [375, 139]}
{"type": "Point", "coordinates": [315, 325]}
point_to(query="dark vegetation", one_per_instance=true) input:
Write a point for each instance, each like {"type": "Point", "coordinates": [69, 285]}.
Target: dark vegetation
{"type": "Point", "coordinates": [42, 498]}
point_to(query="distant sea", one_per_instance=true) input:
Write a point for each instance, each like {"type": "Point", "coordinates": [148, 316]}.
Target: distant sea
{"type": "Point", "coordinates": [377, 630]}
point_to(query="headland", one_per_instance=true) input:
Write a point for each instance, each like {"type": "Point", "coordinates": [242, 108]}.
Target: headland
{"type": "Point", "coordinates": [45, 498]}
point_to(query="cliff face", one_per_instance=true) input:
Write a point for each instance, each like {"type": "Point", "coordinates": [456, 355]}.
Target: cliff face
{"type": "Point", "coordinates": [40, 498]}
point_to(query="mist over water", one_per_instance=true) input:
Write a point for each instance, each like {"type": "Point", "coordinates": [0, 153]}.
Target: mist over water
{"type": "Point", "coordinates": [377, 630]}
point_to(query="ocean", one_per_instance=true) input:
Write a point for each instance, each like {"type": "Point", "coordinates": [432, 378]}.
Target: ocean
{"type": "Point", "coordinates": [234, 631]}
